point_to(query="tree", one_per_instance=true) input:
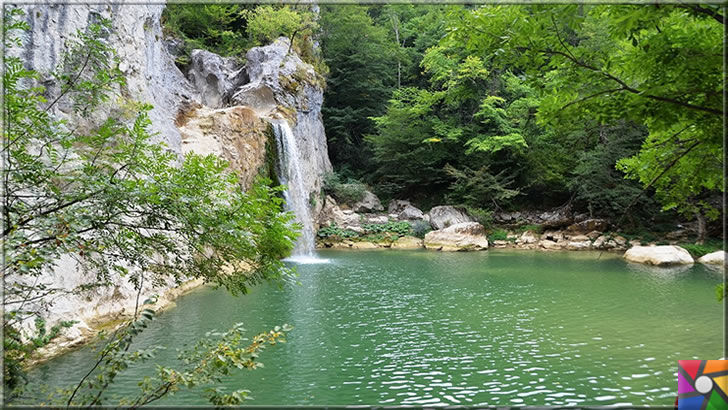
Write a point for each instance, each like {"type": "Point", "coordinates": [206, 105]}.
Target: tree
{"type": "Point", "coordinates": [360, 82]}
{"type": "Point", "coordinates": [658, 66]}
{"type": "Point", "coordinates": [122, 207]}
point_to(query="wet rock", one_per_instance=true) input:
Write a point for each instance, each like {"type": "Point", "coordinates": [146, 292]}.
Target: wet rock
{"type": "Point", "coordinates": [408, 242]}
{"type": "Point", "coordinates": [364, 245]}
{"type": "Point", "coordinates": [466, 236]}
{"type": "Point", "coordinates": [658, 255]}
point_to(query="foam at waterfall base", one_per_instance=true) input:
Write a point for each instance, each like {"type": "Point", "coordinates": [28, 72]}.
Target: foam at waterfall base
{"type": "Point", "coordinates": [305, 259]}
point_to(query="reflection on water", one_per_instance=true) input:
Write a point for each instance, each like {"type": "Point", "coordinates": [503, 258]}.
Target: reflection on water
{"type": "Point", "coordinates": [427, 328]}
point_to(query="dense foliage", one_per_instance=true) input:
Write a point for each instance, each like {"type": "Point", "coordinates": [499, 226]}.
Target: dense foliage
{"type": "Point", "coordinates": [99, 195]}
{"type": "Point", "coordinates": [615, 109]}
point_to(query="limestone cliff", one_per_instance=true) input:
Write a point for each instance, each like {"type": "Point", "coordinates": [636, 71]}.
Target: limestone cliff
{"type": "Point", "coordinates": [216, 107]}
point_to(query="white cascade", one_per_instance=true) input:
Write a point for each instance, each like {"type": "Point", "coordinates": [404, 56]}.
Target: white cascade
{"type": "Point", "coordinates": [297, 199]}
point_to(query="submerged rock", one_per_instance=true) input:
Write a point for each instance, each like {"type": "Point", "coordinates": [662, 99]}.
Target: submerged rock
{"type": "Point", "coordinates": [713, 258]}
{"type": "Point", "coordinates": [664, 255]}
{"type": "Point", "coordinates": [466, 236]}
{"type": "Point", "coordinates": [443, 216]}
{"type": "Point", "coordinates": [408, 242]}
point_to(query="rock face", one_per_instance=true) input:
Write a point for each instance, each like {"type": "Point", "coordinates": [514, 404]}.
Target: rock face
{"type": "Point", "coordinates": [282, 86]}
{"type": "Point", "coordinates": [216, 77]}
{"type": "Point", "coordinates": [713, 258]}
{"type": "Point", "coordinates": [223, 109]}
{"type": "Point", "coordinates": [236, 134]}
{"type": "Point", "coordinates": [465, 236]}
{"type": "Point", "coordinates": [369, 203]}
{"type": "Point", "coordinates": [136, 35]}
{"type": "Point", "coordinates": [443, 216]}
{"type": "Point", "coordinates": [658, 255]}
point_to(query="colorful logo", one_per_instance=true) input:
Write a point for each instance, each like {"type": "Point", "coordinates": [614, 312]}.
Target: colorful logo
{"type": "Point", "coordinates": [702, 384]}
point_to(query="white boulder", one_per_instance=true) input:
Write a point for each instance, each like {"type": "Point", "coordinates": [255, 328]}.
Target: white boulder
{"type": "Point", "coordinates": [713, 258]}
{"type": "Point", "coordinates": [443, 216]}
{"type": "Point", "coordinates": [466, 236]}
{"type": "Point", "coordinates": [659, 255]}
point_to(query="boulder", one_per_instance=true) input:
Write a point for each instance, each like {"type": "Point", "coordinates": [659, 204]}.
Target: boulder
{"type": "Point", "coordinates": [527, 237]}
{"type": "Point", "coordinates": [589, 225]}
{"type": "Point", "coordinates": [410, 213]}
{"type": "Point", "coordinates": [579, 244]}
{"type": "Point", "coordinates": [408, 242]}
{"type": "Point", "coordinates": [465, 236]}
{"type": "Point", "coordinates": [658, 255]}
{"type": "Point", "coordinates": [551, 245]}
{"type": "Point", "coordinates": [603, 242]}
{"type": "Point", "coordinates": [713, 258]}
{"type": "Point", "coordinates": [331, 213]}
{"type": "Point", "coordinates": [593, 235]}
{"type": "Point", "coordinates": [364, 245]}
{"type": "Point", "coordinates": [397, 205]}
{"type": "Point", "coordinates": [556, 218]}
{"type": "Point", "coordinates": [500, 244]}
{"type": "Point", "coordinates": [369, 203]}
{"type": "Point", "coordinates": [443, 216]}
{"type": "Point", "coordinates": [554, 236]}
{"type": "Point", "coordinates": [404, 211]}
{"type": "Point", "coordinates": [378, 219]}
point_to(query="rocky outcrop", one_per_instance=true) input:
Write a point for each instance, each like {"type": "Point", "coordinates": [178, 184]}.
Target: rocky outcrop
{"type": "Point", "coordinates": [280, 85]}
{"type": "Point", "coordinates": [215, 77]}
{"type": "Point", "coordinates": [443, 216]}
{"type": "Point", "coordinates": [221, 110]}
{"type": "Point", "coordinates": [713, 258]}
{"type": "Point", "coordinates": [369, 203]}
{"type": "Point", "coordinates": [465, 236]}
{"type": "Point", "coordinates": [235, 134]}
{"type": "Point", "coordinates": [136, 35]}
{"type": "Point", "coordinates": [664, 255]}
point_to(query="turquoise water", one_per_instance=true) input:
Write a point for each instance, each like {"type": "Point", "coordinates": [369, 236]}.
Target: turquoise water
{"type": "Point", "coordinates": [500, 327]}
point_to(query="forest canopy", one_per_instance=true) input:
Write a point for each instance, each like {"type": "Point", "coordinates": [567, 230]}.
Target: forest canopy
{"type": "Point", "coordinates": [615, 108]}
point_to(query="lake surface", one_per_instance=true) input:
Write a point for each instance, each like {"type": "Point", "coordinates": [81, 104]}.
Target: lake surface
{"type": "Point", "coordinates": [500, 327]}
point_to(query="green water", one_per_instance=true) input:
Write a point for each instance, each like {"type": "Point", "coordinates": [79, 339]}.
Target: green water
{"type": "Point", "coordinates": [419, 327]}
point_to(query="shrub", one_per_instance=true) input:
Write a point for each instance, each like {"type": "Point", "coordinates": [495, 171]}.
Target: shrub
{"type": "Point", "coordinates": [534, 228]}
{"type": "Point", "coordinates": [334, 232]}
{"type": "Point", "coordinates": [498, 235]}
{"type": "Point", "coordinates": [481, 216]}
{"type": "Point", "coordinates": [420, 228]}
{"type": "Point", "coordinates": [700, 250]}
{"type": "Point", "coordinates": [400, 228]}
{"type": "Point", "coordinates": [348, 192]}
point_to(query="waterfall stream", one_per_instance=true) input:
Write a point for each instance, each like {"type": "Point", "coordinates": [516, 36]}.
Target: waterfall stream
{"type": "Point", "coordinates": [296, 196]}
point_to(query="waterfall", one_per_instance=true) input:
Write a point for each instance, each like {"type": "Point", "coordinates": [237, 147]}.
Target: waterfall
{"type": "Point", "coordinates": [296, 196]}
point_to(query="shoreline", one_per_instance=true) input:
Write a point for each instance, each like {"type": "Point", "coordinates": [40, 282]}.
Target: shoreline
{"type": "Point", "coordinates": [109, 323]}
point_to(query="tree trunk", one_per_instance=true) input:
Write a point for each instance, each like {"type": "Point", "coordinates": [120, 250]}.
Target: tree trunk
{"type": "Point", "coordinates": [701, 228]}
